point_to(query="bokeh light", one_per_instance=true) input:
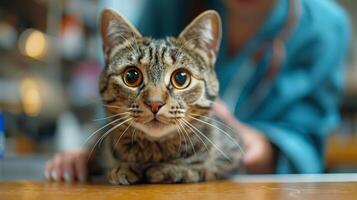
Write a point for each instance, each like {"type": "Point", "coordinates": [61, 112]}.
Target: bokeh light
{"type": "Point", "coordinates": [30, 97]}
{"type": "Point", "coordinates": [33, 43]}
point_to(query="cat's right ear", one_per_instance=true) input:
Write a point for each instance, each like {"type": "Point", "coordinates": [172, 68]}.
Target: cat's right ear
{"type": "Point", "coordinates": [115, 29]}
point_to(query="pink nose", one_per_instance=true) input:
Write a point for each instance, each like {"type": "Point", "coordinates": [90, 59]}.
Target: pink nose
{"type": "Point", "coordinates": [155, 106]}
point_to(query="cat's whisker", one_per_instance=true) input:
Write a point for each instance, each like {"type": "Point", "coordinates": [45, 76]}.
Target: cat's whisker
{"type": "Point", "coordinates": [209, 140]}
{"type": "Point", "coordinates": [220, 130]}
{"type": "Point", "coordinates": [107, 133]}
{"type": "Point", "coordinates": [212, 119]}
{"type": "Point", "coordinates": [113, 130]}
{"type": "Point", "coordinates": [116, 143]}
{"type": "Point", "coordinates": [103, 127]}
{"type": "Point", "coordinates": [185, 132]}
{"type": "Point", "coordinates": [112, 116]}
{"type": "Point", "coordinates": [180, 134]}
{"type": "Point", "coordinates": [194, 132]}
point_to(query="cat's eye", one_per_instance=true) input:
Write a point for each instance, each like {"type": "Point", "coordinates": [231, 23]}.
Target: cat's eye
{"type": "Point", "coordinates": [181, 78]}
{"type": "Point", "coordinates": [132, 77]}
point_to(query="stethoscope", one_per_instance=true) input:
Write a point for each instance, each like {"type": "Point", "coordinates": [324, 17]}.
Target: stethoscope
{"type": "Point", "coordinates": [246, 71]}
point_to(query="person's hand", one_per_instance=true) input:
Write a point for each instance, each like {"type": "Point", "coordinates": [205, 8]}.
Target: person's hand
{"type": "Point", "coordinates": [68, 166]}
{"type": "Point", "coordinates": [259, 152]}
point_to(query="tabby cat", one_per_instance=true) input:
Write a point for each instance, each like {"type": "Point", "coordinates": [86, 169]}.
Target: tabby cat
{"type": "Point", "coordinates": [158, 94]}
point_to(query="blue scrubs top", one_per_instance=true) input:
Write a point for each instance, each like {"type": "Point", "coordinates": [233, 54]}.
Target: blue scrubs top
{"type": "Point", "coordinates": [300, 104]}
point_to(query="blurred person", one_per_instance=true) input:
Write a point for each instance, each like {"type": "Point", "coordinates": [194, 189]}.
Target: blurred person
{"type": "Point", "coordinates": [281, 73]}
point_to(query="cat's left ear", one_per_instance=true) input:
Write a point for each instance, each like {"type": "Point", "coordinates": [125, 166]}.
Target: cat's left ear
{"type": "Point", "coordinates": [115, 29]}
{"type": "Point", "coordinates": [204, 34]}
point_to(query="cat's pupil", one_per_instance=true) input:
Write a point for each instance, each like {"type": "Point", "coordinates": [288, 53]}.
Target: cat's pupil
{"type": "Point", "coordinates": [132, 76]}
{"type": "Point", "coordinates": [181, 78]}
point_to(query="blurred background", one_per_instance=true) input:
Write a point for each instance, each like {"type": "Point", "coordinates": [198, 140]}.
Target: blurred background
{"type": "Point", "coordinates": [50, 60]}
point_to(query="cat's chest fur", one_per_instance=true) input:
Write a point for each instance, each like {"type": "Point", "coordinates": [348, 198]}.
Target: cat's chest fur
{"type": "Point", "coordinates": [134, 146]}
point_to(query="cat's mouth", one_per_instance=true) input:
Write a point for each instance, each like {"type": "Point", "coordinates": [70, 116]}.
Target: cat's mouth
{"type": "Point", "coordinates": [155, 123]}
{"type": "Point", "coordinates": [155, 128]}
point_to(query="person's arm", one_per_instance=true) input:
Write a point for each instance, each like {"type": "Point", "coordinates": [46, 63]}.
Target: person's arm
{"type": "Point", "coordinates": [302, 110]}
{"type": "Point", "coordinates": [259, 152]}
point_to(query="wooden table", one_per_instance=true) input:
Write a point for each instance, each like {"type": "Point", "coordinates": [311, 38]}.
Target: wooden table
{"type": "Point", "coordinates": [242, 188]}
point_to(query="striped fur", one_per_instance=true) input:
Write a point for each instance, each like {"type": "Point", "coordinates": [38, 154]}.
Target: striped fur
{"type": "Point", "coordinates": [181, 142]}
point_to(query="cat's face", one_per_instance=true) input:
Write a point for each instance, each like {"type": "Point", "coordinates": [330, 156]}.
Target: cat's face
{"type": "Point", "coordinates": [159, 84]}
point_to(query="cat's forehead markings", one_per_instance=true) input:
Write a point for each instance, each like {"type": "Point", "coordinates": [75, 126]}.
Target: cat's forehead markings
{"type": "Point", "coordinates": [145, 57]}
{"type": "Point", "coordinates": [168, 59]}
{"type": "Point", "coordinates": [165, 51]}
{"type": "Point", "coordinates": [146, 52]}
{"type": "Point", "coordinates": [120, 47]}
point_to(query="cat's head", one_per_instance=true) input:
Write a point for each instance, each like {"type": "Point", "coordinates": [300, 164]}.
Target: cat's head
{"type": "Point", "coordinates": [159, 84]}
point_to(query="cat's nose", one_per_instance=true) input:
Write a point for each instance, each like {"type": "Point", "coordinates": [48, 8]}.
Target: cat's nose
{"type": "Point", "coordinates": [155, 106]}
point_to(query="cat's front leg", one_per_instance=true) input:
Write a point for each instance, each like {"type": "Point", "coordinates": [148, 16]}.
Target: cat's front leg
{"type": "Point", "coordinates": [125, 174]}
{"type": "Point", "coordinates": [174, 173]}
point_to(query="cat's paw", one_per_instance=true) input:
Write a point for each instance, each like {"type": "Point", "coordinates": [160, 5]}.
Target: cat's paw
{"type": "Point", "coordinates": [167, 173]}
{"type": "Point", "coordinates": [123, 175]}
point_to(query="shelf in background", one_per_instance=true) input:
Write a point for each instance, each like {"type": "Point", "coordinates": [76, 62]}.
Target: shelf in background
{"type": "Point", "coordinates": [341, 151]}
